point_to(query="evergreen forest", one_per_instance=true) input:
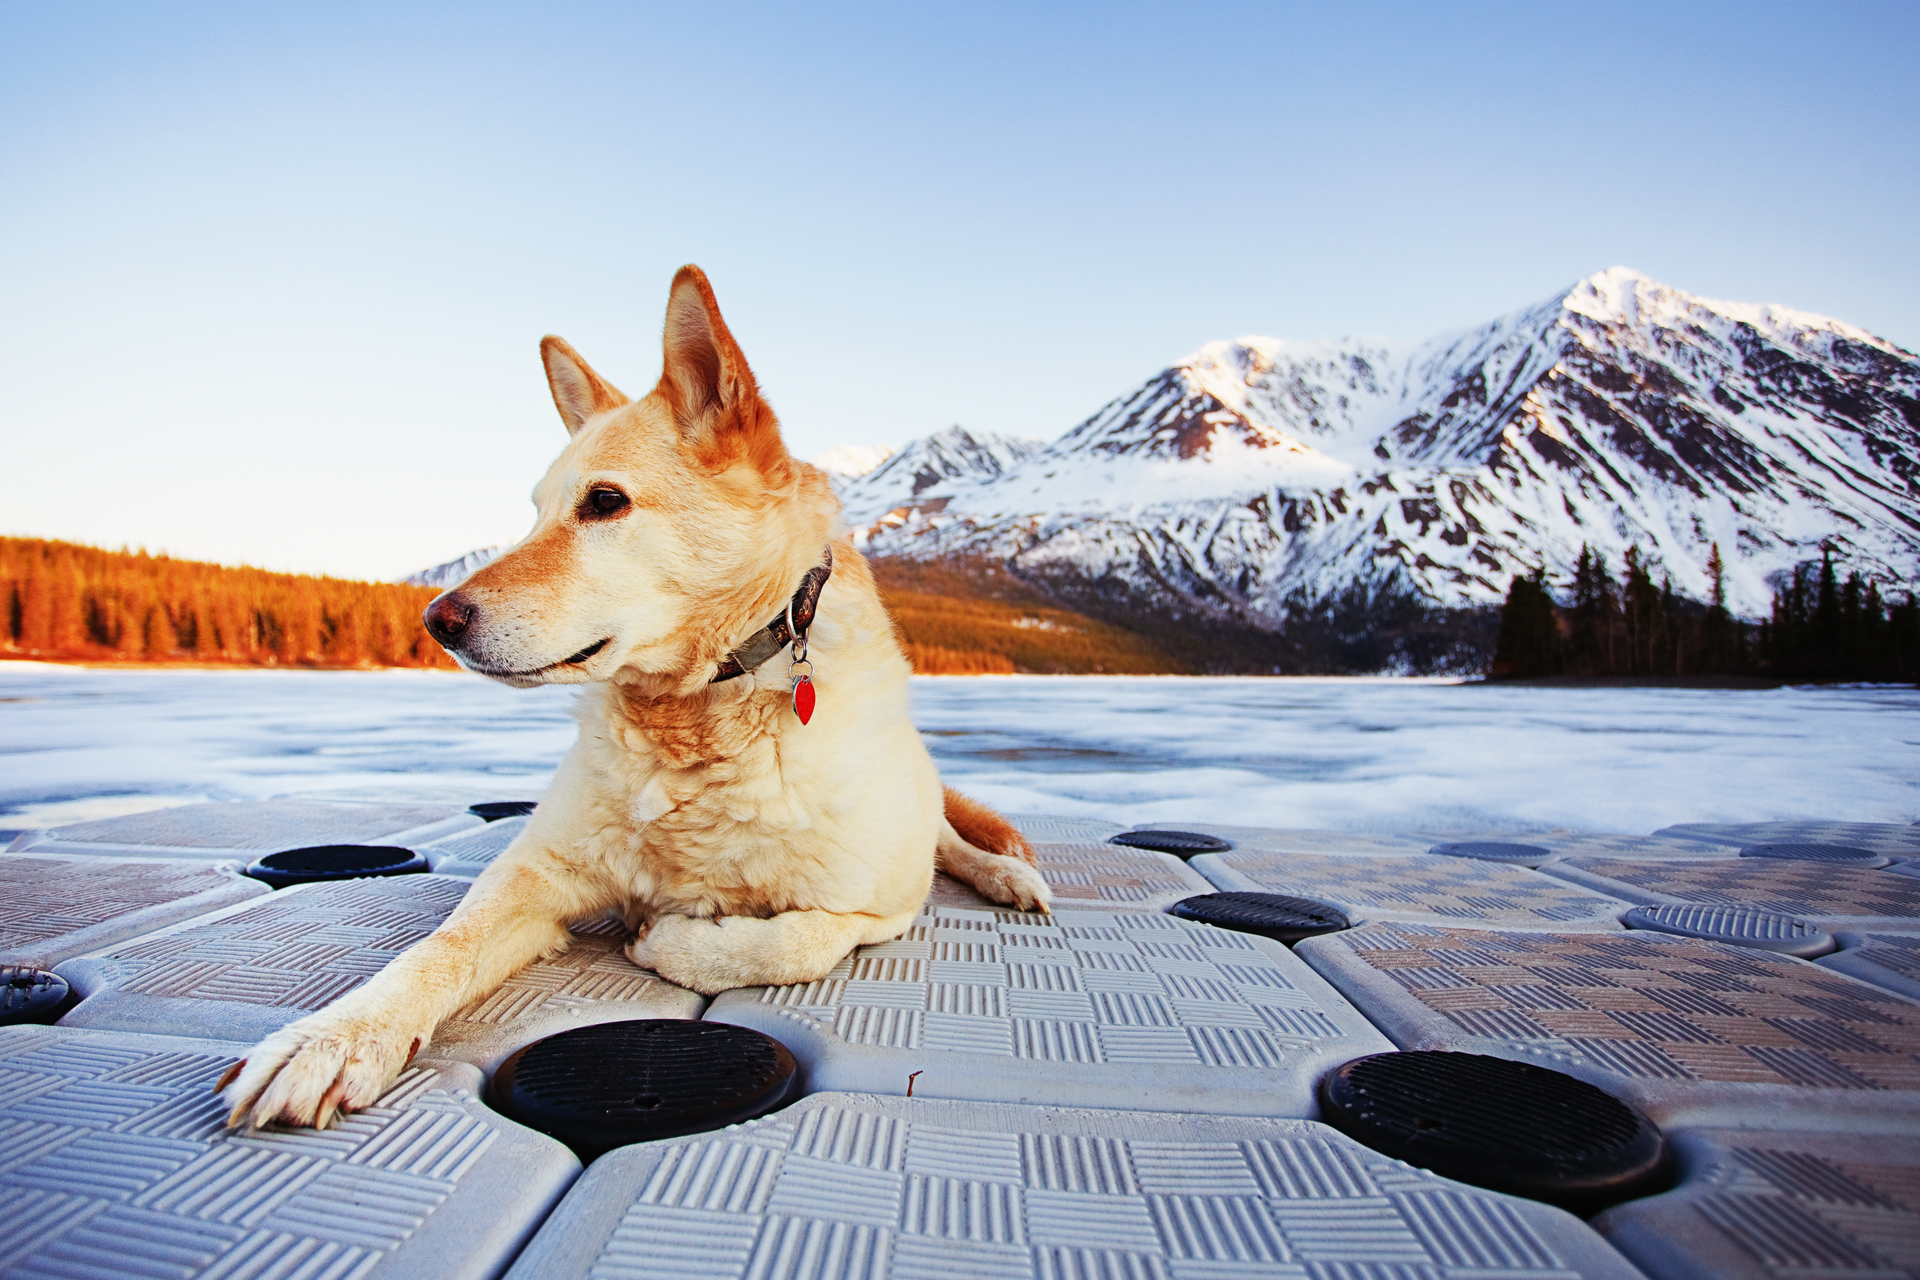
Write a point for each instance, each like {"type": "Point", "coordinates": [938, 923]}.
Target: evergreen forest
{"type": "Point", "coordinates": [1821, 629]}
{"type": "Point", "coordinates": [65, 602]}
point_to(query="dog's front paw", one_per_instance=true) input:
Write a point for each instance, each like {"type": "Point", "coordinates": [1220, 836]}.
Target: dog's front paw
{"type": "Point", "coordinates": [1013, 881]}
{"type": "Point", "coordinates": [308, 1071]}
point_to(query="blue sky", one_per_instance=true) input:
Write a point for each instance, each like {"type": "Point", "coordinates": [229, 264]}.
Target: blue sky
{"type": "Point", "coordinates": [274, 277]}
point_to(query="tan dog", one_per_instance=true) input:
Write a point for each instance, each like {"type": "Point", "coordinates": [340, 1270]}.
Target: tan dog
{"type": "Point", "coordinates": [746, 847]}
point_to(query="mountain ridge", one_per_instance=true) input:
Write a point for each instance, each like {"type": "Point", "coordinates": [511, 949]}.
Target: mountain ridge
{"type": "Point", "coordinates": [1258, 473]}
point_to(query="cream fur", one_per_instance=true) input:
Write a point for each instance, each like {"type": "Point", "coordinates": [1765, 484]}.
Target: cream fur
{"type": "Point", "coordinates": [743, 847]}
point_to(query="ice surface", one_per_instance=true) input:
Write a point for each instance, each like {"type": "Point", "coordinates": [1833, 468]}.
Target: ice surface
{"type": "Point", "coordinates": [1352, 755]}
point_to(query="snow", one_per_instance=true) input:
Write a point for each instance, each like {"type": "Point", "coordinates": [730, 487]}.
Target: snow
{"type": "Point", "coordinates": [1361, 755]}
{"type": "Point", "coordinates": [1618, 413]}
{"type": "Point", "coordinates": [852, 460]}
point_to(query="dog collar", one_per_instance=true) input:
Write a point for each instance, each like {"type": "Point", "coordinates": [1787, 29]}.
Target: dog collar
{"type": "Point", "coordinates": [789, 628]}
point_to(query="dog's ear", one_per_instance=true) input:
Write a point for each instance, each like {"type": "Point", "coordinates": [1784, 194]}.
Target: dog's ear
{"type": "Point", "coordinates": [578, 392]}
{"type": "Point", "coordinates": [705, 377]}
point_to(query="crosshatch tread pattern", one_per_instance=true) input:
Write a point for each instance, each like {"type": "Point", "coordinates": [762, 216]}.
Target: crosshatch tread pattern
{"type": "Point", "coordinates": [298, 949]}
{"type": "Point", "coordinates": [259, 824]}
{"type": "Point", "coordinates": [44, 898]}
{"type": "Point", "coordinates": [115, 1162]}
{"type": "Point", "coordinates": [1653, 1006]}
{"type": "Point", "coordinates": [1427, 886]}
{"type": "Point", "coordinates": [1881, 837]}
{"type": "Point", "coordinates": [1076, 987]}
{"type": "Point", "coordinates": [1889, 960]}
{"type": "Point", "coordinates": [1086, 875]}
{"type": "Point", "coordinates": [1778, 1206]}
{"type": "Point", "coordinates": [1806, 889]}
{"type": "Point", "coordinates": [840, 1187]}
{"type": "Point", "coordinates": [470, 852]}
{"type": "Point", "coordinates": [1658, 847]}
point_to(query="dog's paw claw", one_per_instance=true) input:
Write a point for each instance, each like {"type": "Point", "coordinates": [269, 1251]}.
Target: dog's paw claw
{"type": "Point", "coordinates": [310, 1071]}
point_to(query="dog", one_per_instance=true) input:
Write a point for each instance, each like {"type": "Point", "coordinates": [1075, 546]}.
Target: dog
{"type": "Point", "coordinates": [747, 790]}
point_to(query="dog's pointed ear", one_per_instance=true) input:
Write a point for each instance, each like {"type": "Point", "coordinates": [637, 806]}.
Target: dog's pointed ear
{"type": "Point", "coordinates": [704, 376]}
{"type": "Point", "coordinates": [578, 392]}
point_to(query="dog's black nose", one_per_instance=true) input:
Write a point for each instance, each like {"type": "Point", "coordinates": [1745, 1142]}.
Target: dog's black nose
{"type": "Point", "coordinates": [447, 619]}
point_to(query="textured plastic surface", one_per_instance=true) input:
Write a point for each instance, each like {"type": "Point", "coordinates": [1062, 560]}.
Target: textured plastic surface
{"type": "Point", "coordinates": [114, 1162]}
{"type": "Point", "coordinates": [1087, 875]}
{"type": "Point", "coordinates": [591, 982]}
{"type": "Point", "coordinates": [1119, 1009]}
{"type": "Point", "coordinates": [1740, 926]}
{"type": "Point", "coordinates": [1820, 894]}
{"type": "Point", "coordinates": [1765, 1206]}
{"type": "Point", "coordinates": [1519, 855]}
{"type": "Point", "coordinates": [1845, 855]}
{"type": "Point", "coordinates": [470, 852]}
{"type": "Point", "coordinates": [1688, 1031]}
{"type": "Point", "coordinates": [1881, 837]}
{"type": "Point", "coordinates": [319, 863]}
{"type": "Point", "coordinates": [1037, 826]}
{"type": "Point", "coordinates": [843, 1185]}
{"type": "Point", "coordinates": [249, 970]}
{"type": "Point", "coordinates": [1269, 915]}
{"type": "Point", "coordinates": [494, 810]}
{"type": "Point", "coordinates": [1889, 960]}
{"type": "Point", "coordinates": [248, 830]}
{"type": "Point", "coordinates": [52, 909]}
{"type": "Point", "coordinates": [1605, 845]}
{"type": "Point", "coordinates": [1508, 1126]}
{"type": "Point", "coordinates": [1298, 840]}
{"type": "Point", "coordinates": [1420, 887]}
{"type": "Point", "coordinates": [29, 995]}
{"type": "Point", "coordinates": [1181, 844]}
{"type": "Point", "coordinates": [602, 1087]}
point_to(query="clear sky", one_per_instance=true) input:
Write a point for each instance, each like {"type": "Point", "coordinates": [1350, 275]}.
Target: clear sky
{"type": "Point", "coordinates": [272, 276]}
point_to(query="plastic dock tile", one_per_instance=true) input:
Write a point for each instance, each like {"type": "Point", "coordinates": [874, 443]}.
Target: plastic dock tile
{"type": "Point", "coordinates": [591, 982]}
{"type": "Point", "coordinates": [1423, 886]}
{"type": "Point", "coordinates": [905, 1189]}
{"type": "Point", "coordinates": [246, 831]}
{"type": "Point", "coordinates": [1820, 894]}
{"type": "Point", "coordinates": [1689, 1031]}
{"type": "Point", "coordinates": [1890, 960]}
{"type": "Point", "coordinates": [470, 852]}
{"type": "Point", "coordinates": [52, 909]}
{"type": "Point", "coordinates": [1303, 840]}
{"type": "Point", "coordinates": [115, 1162]}
{"type": "Point", "coordinates": [249, 970]}
{"type": "Point", "coordinates": [1882, 837]}
{"type": "Point", "coordinates": [1118, 1009]}
{"type": "Point", "coordinates": [1036, 826]}
{"type": "Point", "coordinates": [1655, 848]}
{"type": "Point", "coordinates": [1763, 1206]}
{"type": "Point", "coordinates": [1098, 876]}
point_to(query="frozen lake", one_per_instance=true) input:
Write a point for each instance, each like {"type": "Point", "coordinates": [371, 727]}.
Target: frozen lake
{"type": "Point", "coordinates": [1375, 755]}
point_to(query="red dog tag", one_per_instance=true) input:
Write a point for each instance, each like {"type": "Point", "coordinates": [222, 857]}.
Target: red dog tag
{"type": "Point", "coordinates": [803, 698]}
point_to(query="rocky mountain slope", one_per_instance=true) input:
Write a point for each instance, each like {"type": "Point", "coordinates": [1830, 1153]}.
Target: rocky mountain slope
{"type": "Point", "coordinates": [1258, 474]}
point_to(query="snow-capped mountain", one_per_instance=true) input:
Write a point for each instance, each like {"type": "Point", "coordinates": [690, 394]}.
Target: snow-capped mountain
{"type": "Point", "coordinates": [850, 460]}
{"type": "Point", "coordinates": [453, 571]}
{"type": "Point", "coordinates": [1618, 413]}
{"type": "Point", "coordinates": [954, 457]}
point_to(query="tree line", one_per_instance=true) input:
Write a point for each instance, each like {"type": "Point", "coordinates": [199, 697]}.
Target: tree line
{"type": "Point", "coordinates": [67, 602]}
{"type": "Point", "coordinates": [1819, 629]}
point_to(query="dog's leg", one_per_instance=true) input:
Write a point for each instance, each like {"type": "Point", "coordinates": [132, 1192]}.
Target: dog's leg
{"type": "Point", "coordinates": [983, 849]}
{"type": "Point", "coordinates": [345, 1056]}
{"type": "Point", "coordinates": [711, 956]}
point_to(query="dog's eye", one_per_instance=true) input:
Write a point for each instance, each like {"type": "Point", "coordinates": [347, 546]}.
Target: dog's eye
{"type": "Point", "coordinates": [603, 501]}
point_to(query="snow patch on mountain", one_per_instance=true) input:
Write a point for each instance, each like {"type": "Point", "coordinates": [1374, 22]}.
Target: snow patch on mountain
{"type": "Point", "coordinates": [454, 571]}
{"type": "Point", "coordinates": [849, 461]}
